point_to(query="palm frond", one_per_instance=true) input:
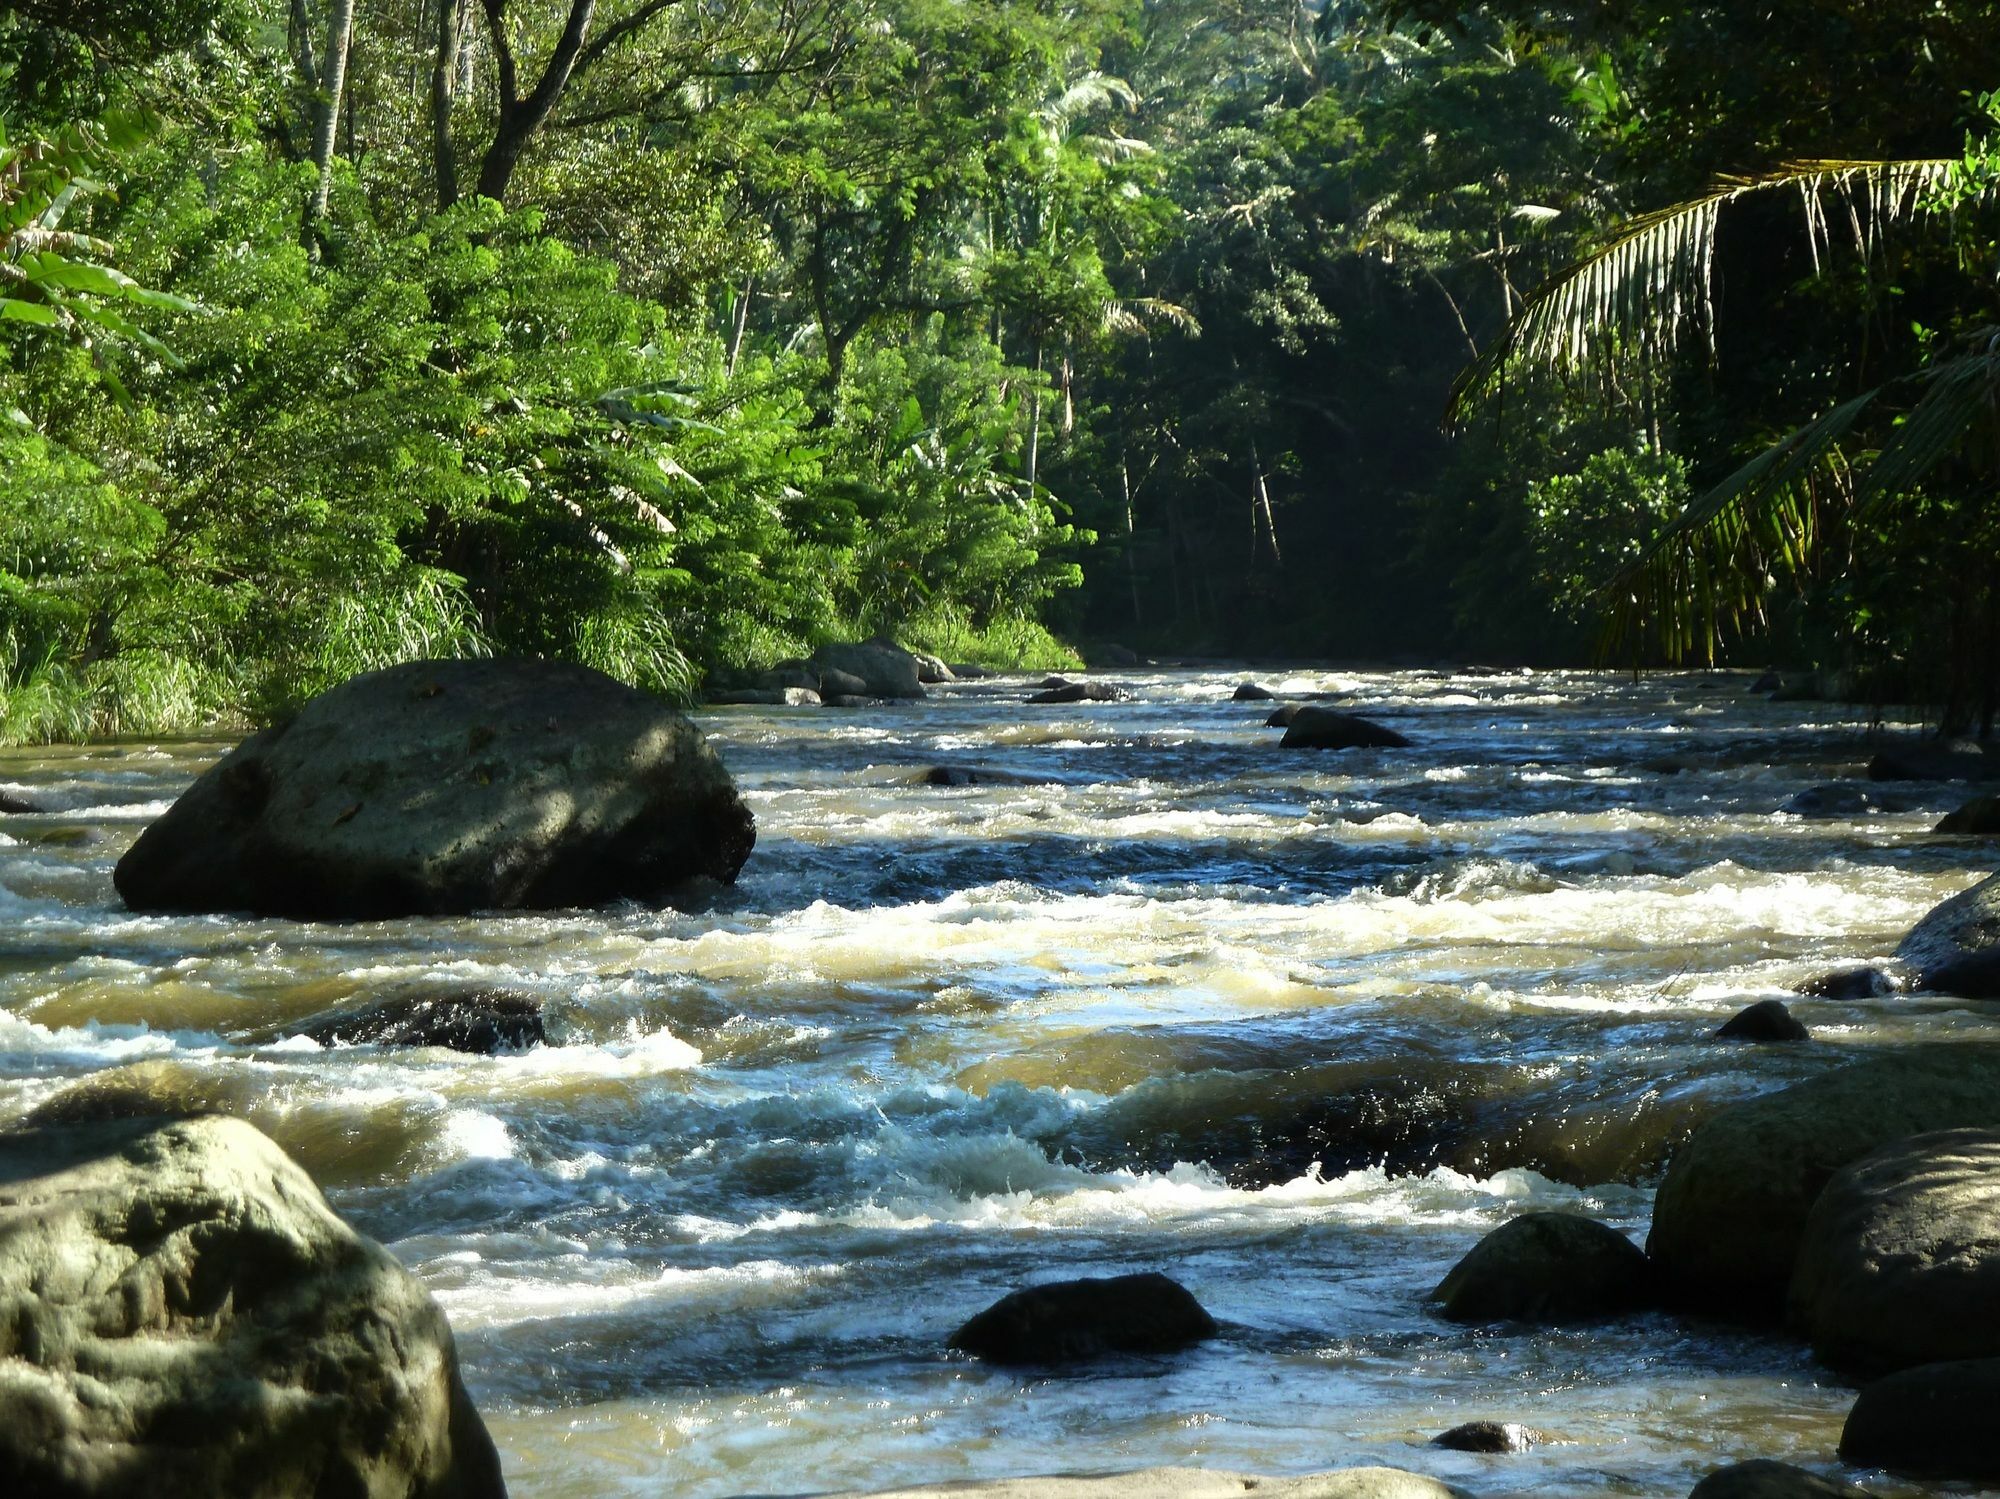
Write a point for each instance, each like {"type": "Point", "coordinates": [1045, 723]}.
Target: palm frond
{"type": "Point", "coordinates": [1958, 393]}
{"type": "Point", "coordinates": [1644, 291]}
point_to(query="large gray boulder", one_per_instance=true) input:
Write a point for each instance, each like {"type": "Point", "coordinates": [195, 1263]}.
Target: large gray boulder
{"type": "Point", "coordinates": [1547, 1267]}
{"type": "Point", "coordinates": [442, 787]}
{"type": "Point", "coordinates": [1193, 1483]}
{"type": "Point", "coordinates": [884, 668]}
{"type": "Point", "coordinates": [1731, 1211]}
{"type": "Point", "coordinates": [181, 1314]}
{"type": "Point", "coordinates": [1900, 1259]}
{"type": "Point", "coordinates": [1956, 948]}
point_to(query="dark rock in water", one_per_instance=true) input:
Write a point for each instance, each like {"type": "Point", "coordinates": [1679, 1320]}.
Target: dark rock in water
{"type": "Point", "coordinates": [1859, 982]}
{"type": "Point", "coordinates": [1547, 1268]}
{"type": "Point", "coordinates": [1054, 684]}
{"type": "Point", "coordinates": [187, 1318]}
{"type": "Point", "coordinates": [1771, 681]}
{"type": "Point", "coordinates": [444, 787]}
{"type": "Point", "coordinates": [1979, 818]}
{"type": "Point", "coordinates": [480, 1020]}
{"type": "Point", "coordinates": [1933, 1421]}
{"type": "Point", "coordinates": [1955, 761]}
{"type": "Point", "coordinates": [1080, 692]}
{"type": "Point", "coordinates": [966, 671]}
{"type": "Point", "coordinates": [1323, 728]}
{"type": "Point", "coordinates": [1072, 1320]}
{"type": "Point", "coordinates": [1731, 1211]}
{"type": "Point", "coordinates": [1767, 1020]}
{"type": "Point", "coordinates": [1486, 1436]}
{"type": "Point", "coordinates": [18, 803]}
{"type": "Point", "coordinates": [1807, 688]}
{"type": "Point", "coordinates": [1956, 948]}
{"type": "Point", "coordinates": [71, 837]}
{"type": "Point", "coordinates": [1764, 1479]}
{"type": "Point", "coordinates": [883, 668]}
{"type": "Point", "coordinates": [1899, 1262]}
{"type": "Point", "coordinates": [972, 775]}
{"type": "Point", "coordinates": [1852, 799]}
{"type": "Point", "coordinates": [1282, 718]}
{"type": "Point", "coordinates": [1250, 692]}
{"type": "Point", "coordinates": [1111, 654]}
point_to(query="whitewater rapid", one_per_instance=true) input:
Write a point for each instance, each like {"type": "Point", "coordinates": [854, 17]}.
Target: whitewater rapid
{"type": "Point", "coordinates": [1296, 1028]}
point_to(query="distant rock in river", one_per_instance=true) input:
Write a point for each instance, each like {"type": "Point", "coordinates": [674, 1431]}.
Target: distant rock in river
{"type": "Point", "coordinates": [444, 787]}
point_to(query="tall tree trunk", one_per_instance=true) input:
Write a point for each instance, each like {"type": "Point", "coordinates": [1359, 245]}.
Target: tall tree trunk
{"type": "Point", "coordinates": [339, 33]}
{"type": "Point", "coordinates": [1035, 418]}
{"type": "Point", "coordinates": [521, 117]}
{"type": "Point", "coordinates": [742, 321]}
{"type": "Point", "coordinates": [444, 93]}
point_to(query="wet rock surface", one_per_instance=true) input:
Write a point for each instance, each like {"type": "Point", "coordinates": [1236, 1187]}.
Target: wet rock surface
{"type": "Point", "coordinates": [482, 1021]}
{"type": "Point", "coordinates": [1933, 1421]}
{"type": "Point", "coordinates": [1899, 1262]}
{"type": "Point", "coordinates": [1956, 948]}
{"type": "Point", "coordinates": [1766, 1021]}
{"type": "Point", "coordinates": [1857, 982]}
{"type": "Point", "coordinates": [881, 667]}
{"type": "Point", "coordinates": [1764, 1479]}
{"type": "Point", "coordinates": [1978, 818]}
{"type": "Point", "coordinates": [1079, 692]}
{"type": "Point", "coordinates": [1732, 1209]}
{"type": "Point", "coordinates": [185, 1317]}
{"type": "Point", "coordinates": [1074, 1321]}
{"type": "Point", "coordinates": [1486, 1436]}
{"type": "Point", "coordinates": [1547, 1268]}
{"type": "Point", "coordinates": [1325, 728]}
{"type": "Point", "coordinates": [446, 787]}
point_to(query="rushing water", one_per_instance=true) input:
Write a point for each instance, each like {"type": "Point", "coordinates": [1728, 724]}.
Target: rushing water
{"type": "Point", "coordinates": [1296, 1028]}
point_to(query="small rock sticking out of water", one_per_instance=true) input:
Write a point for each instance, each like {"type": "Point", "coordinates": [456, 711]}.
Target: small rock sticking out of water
{"type": "Point", "coordinates": [1767, 1020]}
{"type": "Point", "coordinates": [1486, 1436]}
{"type": "Point", "coordinates": [1547, 1267]}
{"type": "Point", "coordinates": [1073, 1320]}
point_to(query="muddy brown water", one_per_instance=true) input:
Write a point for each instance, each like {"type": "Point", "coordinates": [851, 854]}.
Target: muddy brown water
{"type": "Point", "coordinates": [1296, 1028]}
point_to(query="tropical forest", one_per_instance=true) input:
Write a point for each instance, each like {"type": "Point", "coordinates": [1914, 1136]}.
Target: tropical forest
{"type": "Point", "coordinates": [1022, 749]}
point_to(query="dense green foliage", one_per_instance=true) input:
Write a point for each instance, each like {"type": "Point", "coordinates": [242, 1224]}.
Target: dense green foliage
{"type": "Point", "coordinates": [675, 336]}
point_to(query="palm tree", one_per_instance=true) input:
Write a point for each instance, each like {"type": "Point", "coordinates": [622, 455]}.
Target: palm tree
{"type": "Point", "coordinates": [1640, 298]}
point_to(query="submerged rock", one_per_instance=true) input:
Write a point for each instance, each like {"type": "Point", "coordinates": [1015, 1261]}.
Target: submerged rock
{"type": "Point", "coordinates": [185, 1317]}
{"type": "Point", "coordinates": [1486, 1436]}
{"type": "Point", "coordinates": [1899, 1262]}
{"type": "Point", "coordinates": [1979, 818]}
{"type": "Point", "coordinates": [1080, 692]}
{"type": "Point", "coordinates": [482, 1021]}
{"type": "Point", "coordinates": [972, 775]}
{"type": "Point", "coordinates": [1547, 1268]}
{"type": "Point", "coordinates": [1766, 1020]}
{"type": "Point", "coordinates": [443, 787]}
{"type": "Point", "coordinates": [883, 668]}
{"type": "Point", "coordinates": [1853, 799]}
{"type": "Point", "coordinates": [1764, 1479]}
{"type": "Point", "coordinates": [1073, 1320]}
{"type": "Point", "coordinates": [1730, 1214]}
{"type": "Point", "coordinates": [1190, 1483]}
{"type": "Point", "coordinates": [1862, 981]}
{"type": "Point", "coordinates": [1933, 1421]}
{"type": "Point", "coordinates": [1951, 761]}
{"type": "Point", "coordinates": [17, 803]}
{"type": "Point", "coordinates": [967, 671]}
{"type": "Point", "coordinates": [1956, 948]}
{"type": "Point", "coordinates": [1250, 692]}
{"type": "Point", "coordinates": [1323, 728]}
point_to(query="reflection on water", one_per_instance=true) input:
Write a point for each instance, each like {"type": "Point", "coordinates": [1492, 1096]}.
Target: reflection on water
{"type": "Point", "coordinates": [1296, 1027]}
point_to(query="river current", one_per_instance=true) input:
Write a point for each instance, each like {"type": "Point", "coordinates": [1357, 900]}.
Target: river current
{"type": "Point", "coordinates": [1294, 1027]}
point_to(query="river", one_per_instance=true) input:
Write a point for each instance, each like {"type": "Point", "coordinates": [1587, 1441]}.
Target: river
{"type": "Point", "coordinates": [1295, 1027]}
